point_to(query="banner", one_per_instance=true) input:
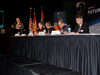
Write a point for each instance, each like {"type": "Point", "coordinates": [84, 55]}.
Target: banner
{"type": "Point", "coordinates": [58, 15]}
{"type": "Point", "coordinates": [91, 14]}
{"type": "Point", "coordinates": [93, 19]}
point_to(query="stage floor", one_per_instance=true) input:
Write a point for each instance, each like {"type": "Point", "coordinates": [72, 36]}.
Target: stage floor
{"type": "Point", "coordinates": [16, 65]}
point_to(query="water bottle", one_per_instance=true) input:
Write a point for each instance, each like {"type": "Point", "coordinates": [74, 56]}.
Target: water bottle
{"type": "Point", "coordinates": [69, 29]}
{"type": "Point", "coordinates": [18, 33]}
{"type": "Point", "coordinates": [61, 31]}
{"type": "Point", "coordinates": [44, 31]}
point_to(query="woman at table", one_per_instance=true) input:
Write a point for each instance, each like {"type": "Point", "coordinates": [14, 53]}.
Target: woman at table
{"type": "Point", "coordinates": [40, 25]}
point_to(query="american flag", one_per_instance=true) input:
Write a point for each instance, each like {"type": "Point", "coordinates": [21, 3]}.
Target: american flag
{"type": "Point", "coordinates": [30, 20]}
{"type": "Point", "coordinates": [30, 23]}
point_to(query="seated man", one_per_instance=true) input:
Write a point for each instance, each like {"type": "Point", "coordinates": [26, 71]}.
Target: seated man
{"type": "Point", "coordinates": [49, 27]}
{"type": "Point", "coordinates": [81, 26]}
{"type": "Point", "coordinates": [40, 25]}
{"type": "Point", "coordinates": [63, 29]}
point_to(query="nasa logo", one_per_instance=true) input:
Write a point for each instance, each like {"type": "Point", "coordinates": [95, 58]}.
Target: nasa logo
{"type": "Point", "coordinates": [59, 15]}
{"type": "Point", "coordinates": [80, 7]}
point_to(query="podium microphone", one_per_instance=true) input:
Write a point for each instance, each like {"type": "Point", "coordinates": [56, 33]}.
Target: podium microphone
{"type": "Point", "coordinates": [14, 23]}
{"type": "Point", "coordinates": [37, 28]}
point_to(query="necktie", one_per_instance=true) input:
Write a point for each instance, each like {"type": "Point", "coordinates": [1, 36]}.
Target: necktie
{"type": "Point", "coordinates": [17, 26]}
{"type": "Point", "coordinates": [79, 29]}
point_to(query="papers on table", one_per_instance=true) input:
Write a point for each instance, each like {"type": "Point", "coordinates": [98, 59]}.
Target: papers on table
{"type": "Point", "coordinates": [20, 35]}
{"type": "Point", "coordinates": [55, 32]}
{"type": "Point", "coordinates": [30, 34]}
{"type": "Point", "coordinates": [17, 34]}
{"type": "Point", "coordinates": [41, 33]}
{"type": "Point", "coordinates": [23, 34]}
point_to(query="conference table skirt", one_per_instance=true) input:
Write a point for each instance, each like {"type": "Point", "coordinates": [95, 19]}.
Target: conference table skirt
{"type": "Point", "coordinates": [79, 53]}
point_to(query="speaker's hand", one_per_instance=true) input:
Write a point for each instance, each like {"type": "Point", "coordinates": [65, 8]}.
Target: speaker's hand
{"type": "Point", "coordinates": [12, 26]}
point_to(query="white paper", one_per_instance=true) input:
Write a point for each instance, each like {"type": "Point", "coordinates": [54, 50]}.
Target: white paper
{"type": "Point", "coordinates": [30, 34]}
{"type": "Point", "coordinates": [17, 34]}
{"type": "Point", "coordinates": [23, 34]}
{"type": "Point", "coordinates": [55, 32]}
{"type": "Point", "coordinates": [41, 33]}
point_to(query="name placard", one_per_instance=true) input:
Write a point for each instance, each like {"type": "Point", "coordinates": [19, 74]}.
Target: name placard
{"type": "Point", "coordinates": [41, 33]}
{"type": "Point", "coordinates": [55, 32]}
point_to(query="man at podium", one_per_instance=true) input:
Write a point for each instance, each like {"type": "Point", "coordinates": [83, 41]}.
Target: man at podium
{"type": "Point", "coordinates": [19, 25]}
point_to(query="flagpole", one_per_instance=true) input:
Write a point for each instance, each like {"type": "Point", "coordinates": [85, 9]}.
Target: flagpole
{"type": "Point", "coordinates": [41, 7]}
{"type": "Point", "coordinates": [34, 10]}
{"type": "Point", "coordinates": [30, 10]}
{"type": "Point", "coordinates": [30, 18]}
{"type": "Point", "coordinates": [34, 23]}
{"type": "Point", "coordinates": [42, 17]}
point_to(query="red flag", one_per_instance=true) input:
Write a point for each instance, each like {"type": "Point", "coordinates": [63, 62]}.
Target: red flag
{"type": "Point", "coordinates": [42, 17]}
{"type": "Point", "coordinates": [34, 23]}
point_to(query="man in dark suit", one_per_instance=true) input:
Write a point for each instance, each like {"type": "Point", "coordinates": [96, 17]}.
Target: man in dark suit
{"type": "Point", "coordinates": [81, 26]}
{"type": "Point", "coordinates": [49, 28]}
{"type": "Point", "coordinates": [62, 28]}
{"type": "Point", "coordinates": [19, 26]}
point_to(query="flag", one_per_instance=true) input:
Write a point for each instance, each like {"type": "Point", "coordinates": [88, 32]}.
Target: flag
{"type": "Point", "coordinates": [30, 23]}
{"type": "Point", "coordinates": [42, 17]}
{"type": "Point", "coordinates": [34, 23]}
{"type": "Point", "coordinates": [30, 20]}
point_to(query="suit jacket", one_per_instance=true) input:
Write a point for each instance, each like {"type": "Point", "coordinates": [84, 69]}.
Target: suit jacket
{"type": "Point", "coordinates": [21, 26]}
{"type": "Point", "coordinates": [50, 30]}
{"type": "Point", "coordinates": [64, 28]}
{"type": "Point", "coordinates": [39, 29]}
{"type": "Point", "coordinates": [84, 28]}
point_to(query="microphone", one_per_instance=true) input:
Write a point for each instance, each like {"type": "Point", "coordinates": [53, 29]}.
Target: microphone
{"type": "Point", "coordinates": [14, 23]}
{"type": "Point", "coordinates": [38, 28]}
{"type": "Point", "coordinates": [21, 31]}
{"type": "Point", "coordinates": [24, 30]}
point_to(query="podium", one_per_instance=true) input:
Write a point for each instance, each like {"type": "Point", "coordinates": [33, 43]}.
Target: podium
{"type": "Point", "coordinates": [4, 38]}
{"type": "Point", "coordinates": [11, 31]}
